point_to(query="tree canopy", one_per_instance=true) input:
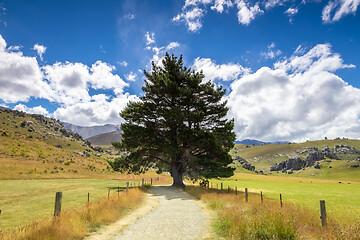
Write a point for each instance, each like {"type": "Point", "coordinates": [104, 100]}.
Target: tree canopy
{"type": "Point", "coordinates": [179, 125]}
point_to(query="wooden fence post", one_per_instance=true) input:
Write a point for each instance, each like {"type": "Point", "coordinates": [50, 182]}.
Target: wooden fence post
{"type": "Point", "coordinates": [143, 182]}
{"type": "Point", "coordinates": [221, 187]}
{"type": "Point", "coordinates": [150, 181]}
{"type": "Point", "coordinates": [280, 200]}
{"type": "Point", "coordinates": [246, 195]}
{"type": "Point", "coordinates": [109, 193]}
{"type": "Point", "coordinates": [235, 190]}
{"type": "Point", "coordinates": [58, 199]}
{"type": "Point", "coordinates": [323, 213]}
{"type": "Point", "coordinates": [88, 197]}
{"type": "Point", "coordinates": [127, 186]}
{"type": "Point", "coordinates": [228, 189]}
{"type": "Point", "coordinates": [261, 196]}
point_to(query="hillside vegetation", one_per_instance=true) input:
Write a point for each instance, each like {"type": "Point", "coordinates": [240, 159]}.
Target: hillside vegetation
{"type": "Point", "coordinates": [265, 156]}
{"type": "Point", "coordinates": [33, 146]}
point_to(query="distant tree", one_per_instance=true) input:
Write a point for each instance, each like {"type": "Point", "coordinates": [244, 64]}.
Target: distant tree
{"type": "Point", "coordinates": [179, 125]}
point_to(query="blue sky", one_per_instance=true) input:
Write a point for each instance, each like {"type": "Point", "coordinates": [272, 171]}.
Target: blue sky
{"type": "Point", "coordinates": [291, 68]}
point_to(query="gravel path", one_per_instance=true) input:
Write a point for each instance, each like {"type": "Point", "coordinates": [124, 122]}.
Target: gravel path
{"type": "Point", "coordinates": [178, 216]}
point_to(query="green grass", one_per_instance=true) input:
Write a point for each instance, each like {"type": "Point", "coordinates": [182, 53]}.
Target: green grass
{"type": "Point", "coordinates": [342, 200]}
{"type": "Point", "coordinates": [22, 201]}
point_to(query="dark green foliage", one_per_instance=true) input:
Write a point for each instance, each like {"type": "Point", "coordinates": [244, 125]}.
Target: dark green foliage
{"type": "Point", "coordinates": [179, 125]}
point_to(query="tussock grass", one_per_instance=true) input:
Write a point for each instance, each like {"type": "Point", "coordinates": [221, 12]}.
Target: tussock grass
{"type": "Point", "coordinates": [254, 220]}
{"type": "Point", "coordinates": [76, 223]}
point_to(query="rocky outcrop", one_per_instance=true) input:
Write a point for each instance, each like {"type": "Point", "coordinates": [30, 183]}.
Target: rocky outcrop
{"type": "Point", "coordinates": [294, 164]}
{"type": "Point", "coordinates": [290, 164]}
{"type": "Point", "coordinates": [248, 166]}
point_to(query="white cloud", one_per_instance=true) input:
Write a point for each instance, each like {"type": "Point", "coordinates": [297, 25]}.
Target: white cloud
{"type": "Point", "coordinates": [101, 77]}
{"type": "Point", "coordinates": [339, 8]}
{"type": "Point", "coordinates": [40, 49]}
{"type": "Point", "coordinates": [192, 18]}
{"type": "Point", "coordinates": [271, 52]}
{"type": "Point", "coordinates": [219, 5]}
{"type": "Point", "coordinates": [71, 81]}
{"type": "Point", "coordinates": [291, 11]}
{"type": "Point", "coordinates": [14, 48]}
{"type": "Point", "coordinates": [123, 63]}
{"type": "Point", "coordinates": [33, 110]}
{"type": "Point", "coordinates": [172, 45]}
{"type": "Point", "coordinates": [194, 10]}
{"type": "Point", "coordinates": [247, 13]}
{"type": "Point", "coordinates": [4, 105]}
{"type": "Point", "coordinates": [20, 76]}
{"type": "Point", "coordinates": [64, 83]}
{"type": "Point", "coordinates": [131, 76]}
{"type": "Point", "coordinates": [225, 72]}
{"type": "Point", "coordinates": [150, 38]}
{"type": "Point", "coordinates": [159, 52]}
{"type": "Point", "coordinates": [101, 109]}
{"type": "Point", "coordinates": [273, 3]}
{"type": "Point", "coordinates": [300, 98]}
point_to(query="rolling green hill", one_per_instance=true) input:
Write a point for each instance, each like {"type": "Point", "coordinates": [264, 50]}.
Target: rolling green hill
{"type": "Point", "coordinates": [263, 157]}
{"type": "Point", "coordinates": [34, 146]}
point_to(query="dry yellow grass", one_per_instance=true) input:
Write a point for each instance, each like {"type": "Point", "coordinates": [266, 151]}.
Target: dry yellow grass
{"type": "Point", "coordinates": [76, 223]}
{"type": "Point", "coordinates": [254, 220]}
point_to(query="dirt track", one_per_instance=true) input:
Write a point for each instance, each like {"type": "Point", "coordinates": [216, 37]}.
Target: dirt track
{"type": "Point", "coordinates": [168, 213]}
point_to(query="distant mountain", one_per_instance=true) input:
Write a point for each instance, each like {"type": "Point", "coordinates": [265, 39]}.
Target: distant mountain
{"type": "Point", "coordinates": [87, 132]}
{"type": "Point", "coordinates": [106, 138]}
{"type": "Point", "coordinates": [257, 142]}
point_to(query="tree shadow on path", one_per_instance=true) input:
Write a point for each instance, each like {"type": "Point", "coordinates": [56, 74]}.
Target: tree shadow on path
{"type": "Point", "coordinates": [170, 193]}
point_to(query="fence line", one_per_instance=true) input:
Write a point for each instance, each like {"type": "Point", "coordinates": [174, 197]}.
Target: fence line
{"type": "Point", "coordinates": [322, 208]}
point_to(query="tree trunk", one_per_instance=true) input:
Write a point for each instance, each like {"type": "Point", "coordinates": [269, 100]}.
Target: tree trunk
{"type": "Point", "coordinates": [176, 175]}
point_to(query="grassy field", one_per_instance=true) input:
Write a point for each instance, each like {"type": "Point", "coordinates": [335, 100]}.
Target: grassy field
{"type": "Point", "coordinates": [237, 219]}
{"type": "Point", "coordinates": [22, 201]}
{"type": "Point", "coordinates": [77, 222]}
{"type": "Point", "coordinates": [342, 200]}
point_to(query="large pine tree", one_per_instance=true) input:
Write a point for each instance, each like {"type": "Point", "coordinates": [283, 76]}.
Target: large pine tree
{"type": "Point", "coordinates": [179, 125]}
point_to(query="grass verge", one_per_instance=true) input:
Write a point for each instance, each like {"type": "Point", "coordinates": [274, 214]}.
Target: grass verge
{"type": "Point", "coordinates": [76, 223]}
{"type": "Point", "coordinates": [267, 220]}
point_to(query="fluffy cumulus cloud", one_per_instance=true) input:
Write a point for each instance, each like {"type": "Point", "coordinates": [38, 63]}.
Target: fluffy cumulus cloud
{"type": "Point", "coordinates": [224, 72]}
{"type": "Point", "coordinates": [336, 9]}
{"type": "Point", "coordinates": [246, 12]}
{"type": "Point", "coordinates": [20, 76]}
{"type": "Point", "coordinates": [101, 109]}
{"type": "Point", "coordinates": [300, 98]}
{"type": "Point", "coordinates": [66, 84]}
{"type": "Point", "coordinates": [193, 11]}
{"type": "Point", "coordinates": [40, 49]}
{"type": "Point", "coordinates": [192, 18]}
{"type": "Point", "coordinates": [71, 81]}
{"type": "Point", "coordinates": [36, 110]}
